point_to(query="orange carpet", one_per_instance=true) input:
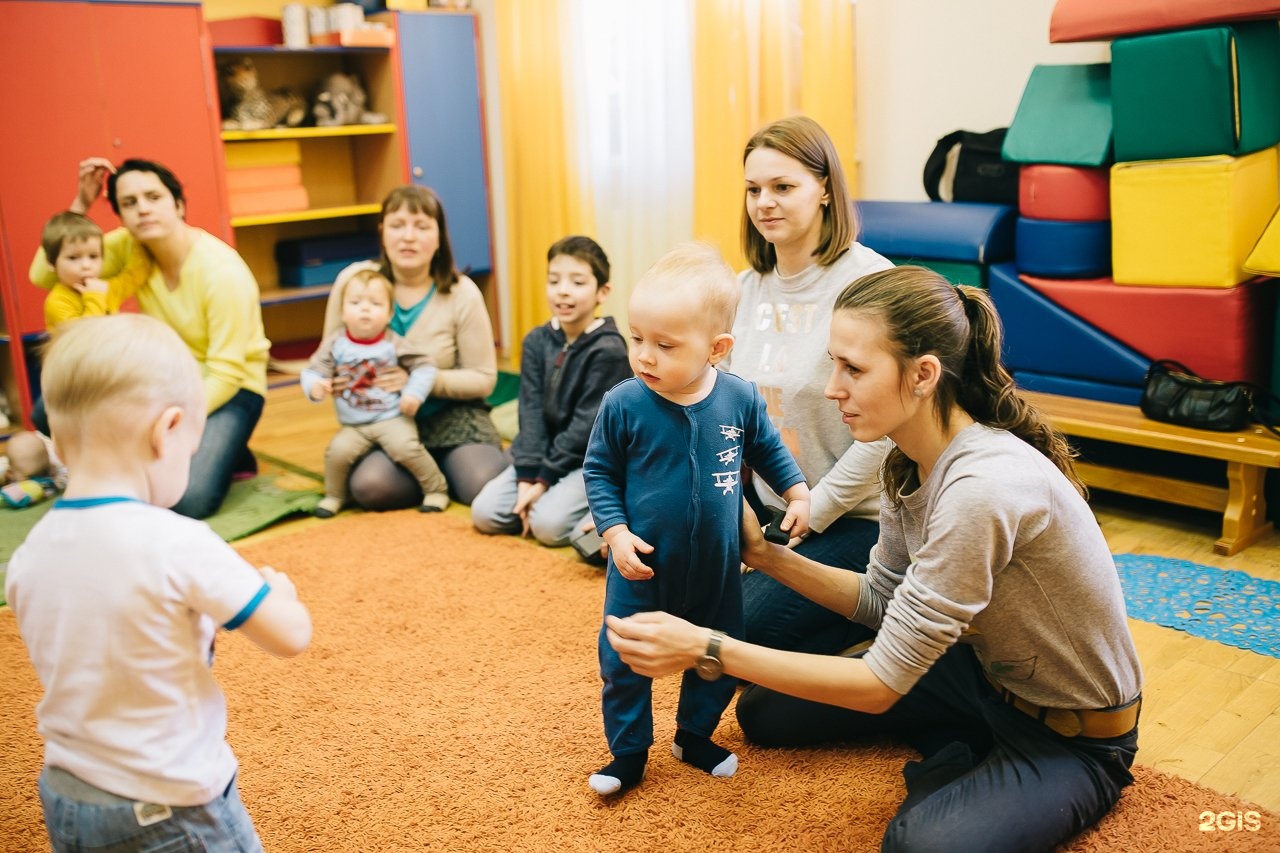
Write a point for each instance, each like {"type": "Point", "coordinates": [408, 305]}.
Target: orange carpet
{"type": "Point", "coordinates": [450, 701]}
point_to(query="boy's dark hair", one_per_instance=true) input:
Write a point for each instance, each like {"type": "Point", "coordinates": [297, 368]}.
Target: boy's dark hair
{"type": "Point", "coordinates": [586, 250]}
{"type": "Point", "coordinates": [65, 226]}
{"type": "Point", "coordinates": [169, 179]}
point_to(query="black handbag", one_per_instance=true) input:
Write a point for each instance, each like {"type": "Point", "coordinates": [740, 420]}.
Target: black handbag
{"type": "Point", "coordinates": [1173, 393]}
{"type": "Point", "coordinates": [968, 166]}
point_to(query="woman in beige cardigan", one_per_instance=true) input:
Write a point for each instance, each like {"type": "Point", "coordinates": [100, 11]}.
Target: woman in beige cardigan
{"type": "Point", "coordinates": [443, 313]}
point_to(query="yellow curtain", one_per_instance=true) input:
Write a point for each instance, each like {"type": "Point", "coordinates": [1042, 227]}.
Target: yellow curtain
{"type": "Point", "coordinates": [547, 197]}
{"type": "Point", "coordinates": [756, 61]}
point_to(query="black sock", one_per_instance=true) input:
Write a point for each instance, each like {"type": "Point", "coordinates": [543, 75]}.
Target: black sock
{"type": "Point", "coordinates": [703, 754]}
{"type": "Point", "coordinates": [620, 775]}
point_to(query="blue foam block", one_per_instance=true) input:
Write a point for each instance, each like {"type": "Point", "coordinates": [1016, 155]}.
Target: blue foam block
{"type": "Point", "coordinates": [1042, 338]}
{"type": "Point", "coordinates": [1084, 388]}
{"type": "Point", "coordinates": [938, 230]}
{"type": "Point", "coordinates": [1057, 249]}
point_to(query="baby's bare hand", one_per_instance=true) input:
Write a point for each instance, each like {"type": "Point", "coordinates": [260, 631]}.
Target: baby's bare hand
{"type": "Point", "coordinates": [279, 582]}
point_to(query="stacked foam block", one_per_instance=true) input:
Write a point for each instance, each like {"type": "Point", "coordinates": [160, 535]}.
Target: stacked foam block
{"type": "Point", "coordinates": [1146, 185]}
{"type": "Point", "coordinates": [265, 177]}
{"type": "Point", "coordinates": [959, 240]}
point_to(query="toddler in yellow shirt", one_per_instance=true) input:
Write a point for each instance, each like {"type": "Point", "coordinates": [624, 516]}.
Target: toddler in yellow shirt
{"type": "Point", "coordinates": [73, 244]}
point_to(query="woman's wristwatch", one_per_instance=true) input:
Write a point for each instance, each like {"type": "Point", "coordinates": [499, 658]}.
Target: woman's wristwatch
{"type": "Point", "coordinates": [709, 666]}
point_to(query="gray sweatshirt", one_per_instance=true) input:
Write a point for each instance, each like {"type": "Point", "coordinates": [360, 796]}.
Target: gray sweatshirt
{"type": "Point", "coordinates": [998, 550]}
{"type": "Point", "coordinates": [780, 343]}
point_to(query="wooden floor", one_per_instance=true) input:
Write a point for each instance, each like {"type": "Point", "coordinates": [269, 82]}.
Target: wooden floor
{"type": "Point", "coordinates": [1211, 712]}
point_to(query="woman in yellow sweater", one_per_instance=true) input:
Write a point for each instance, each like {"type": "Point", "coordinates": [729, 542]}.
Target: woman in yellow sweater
{"type": "Point", "coordinates": [203, 289]}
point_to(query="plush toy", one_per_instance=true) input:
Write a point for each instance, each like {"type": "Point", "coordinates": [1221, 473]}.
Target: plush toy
{"type": "Point", "coordinates": [247, 106]}
{"type": "Point", "coordinates": [341, 99]}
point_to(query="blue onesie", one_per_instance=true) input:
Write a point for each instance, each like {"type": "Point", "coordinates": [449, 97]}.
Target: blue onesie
{"type": "Point", "coordinates": [673, 475]}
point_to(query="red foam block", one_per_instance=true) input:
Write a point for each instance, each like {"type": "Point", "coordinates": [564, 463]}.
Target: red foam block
{"type": "Point", "coordinates": [1064, 193]}
{"type": "Point", "coordinates": [1220, 333]}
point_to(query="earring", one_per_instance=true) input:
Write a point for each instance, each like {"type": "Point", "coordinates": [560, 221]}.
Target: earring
{"type": "Point", "coordinates": [919, 392]}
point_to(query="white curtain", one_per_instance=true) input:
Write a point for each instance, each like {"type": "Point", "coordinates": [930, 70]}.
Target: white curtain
{"type": "Point", "coordinates": [632, 83]}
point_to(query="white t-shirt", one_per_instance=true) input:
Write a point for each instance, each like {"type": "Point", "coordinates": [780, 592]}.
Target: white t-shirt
{"type": "Point", "coordinates": [118, 602]}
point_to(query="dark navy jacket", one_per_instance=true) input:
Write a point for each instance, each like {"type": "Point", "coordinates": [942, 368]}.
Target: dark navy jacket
{"type": "Point", "coordinates": [560, 391]}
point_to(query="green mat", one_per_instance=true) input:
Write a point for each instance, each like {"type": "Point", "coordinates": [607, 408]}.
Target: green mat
{"type": "Point", "coordinates": [250, 506]}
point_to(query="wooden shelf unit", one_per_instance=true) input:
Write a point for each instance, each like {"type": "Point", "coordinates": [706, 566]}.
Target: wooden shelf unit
{"type": "Point", "coordinates": [346, 170]}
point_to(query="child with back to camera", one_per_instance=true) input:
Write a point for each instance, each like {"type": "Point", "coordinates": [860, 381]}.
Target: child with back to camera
{"type": "Point", "coordinates": [566, 366]}
{"type": "Point", "coordinates": [136, 755]}
{"type": "Point", "coordinates": [372, 416]}
{"type": "Point", "coordinates": [663, 475]}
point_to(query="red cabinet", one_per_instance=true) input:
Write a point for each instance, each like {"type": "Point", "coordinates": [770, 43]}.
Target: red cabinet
{"type": "Point", "coordinates": [116, 80]}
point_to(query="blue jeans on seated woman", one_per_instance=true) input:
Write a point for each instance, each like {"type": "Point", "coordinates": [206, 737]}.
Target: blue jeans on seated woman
{"type": "Point", "coordinates": [224, 450]}
{"type": "Point", "coordinates": [79, 816]}
{"type": "Point", "coordinates": [780, 618]}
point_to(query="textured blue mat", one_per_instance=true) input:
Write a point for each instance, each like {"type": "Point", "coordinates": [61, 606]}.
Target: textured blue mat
{"type": "Point", "coordinates": [1228, 607]}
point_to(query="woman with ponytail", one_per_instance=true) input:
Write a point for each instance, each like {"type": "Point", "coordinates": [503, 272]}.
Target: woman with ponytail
{"type": "Point", "coordinates": [1002, 652]}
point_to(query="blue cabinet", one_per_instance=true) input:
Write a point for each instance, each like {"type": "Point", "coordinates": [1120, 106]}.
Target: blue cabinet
{"type": "Point", "coordinates": [442, 104]}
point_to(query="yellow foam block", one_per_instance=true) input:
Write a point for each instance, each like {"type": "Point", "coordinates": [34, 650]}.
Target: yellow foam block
{"type": "Point", "coordinates": [267, 152]}
{"type": "Point", "coordinates": [1190, 222]}
{"type": "Point", "coordinates": [1265, 257]}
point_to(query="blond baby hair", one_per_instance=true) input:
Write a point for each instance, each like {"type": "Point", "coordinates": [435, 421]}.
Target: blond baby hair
{"type": "Point", "coordinates": [700, 270]}
{"type": "Point", "coordinates": [369, 277]}
{"type": "Point", "coordinates": [113, 372]}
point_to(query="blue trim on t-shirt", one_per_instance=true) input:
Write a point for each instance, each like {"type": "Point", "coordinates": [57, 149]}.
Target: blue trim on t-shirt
{"type": "Point", "coordinates": [248, 609]}
{"type": "Point", "coordinates": [89, 503]}
{"type": "Point", "coordinates": [404, 318]}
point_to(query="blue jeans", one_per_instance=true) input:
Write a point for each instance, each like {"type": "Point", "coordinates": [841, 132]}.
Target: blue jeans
{"type": "Point", "coordinates": [223, 450]}
{"type": "Point", "coordinates": [991, 778]}
{"type": "Point", "coordinates": [80, 817]}
{"type": "Point", "coordinates": [782, 619]}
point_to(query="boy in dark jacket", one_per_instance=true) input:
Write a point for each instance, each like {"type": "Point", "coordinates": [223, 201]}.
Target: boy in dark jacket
{"type": "Point", "coordinates": [567, 364]}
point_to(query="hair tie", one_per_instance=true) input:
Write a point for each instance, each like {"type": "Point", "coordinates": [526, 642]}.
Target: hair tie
{"type": "Point", "coordinates": [960, 293]}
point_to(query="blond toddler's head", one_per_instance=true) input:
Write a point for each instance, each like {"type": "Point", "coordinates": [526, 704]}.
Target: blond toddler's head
{"type": "Point", "coordinates": [72, 243]}
{"type": "Point", "coordinates": [696, 274]}
{"type": "Point", "coordinates": [109, 381]}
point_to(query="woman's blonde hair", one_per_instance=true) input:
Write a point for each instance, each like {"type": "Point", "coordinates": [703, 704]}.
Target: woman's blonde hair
{"type": "Point", "coordinates": [111, 368]}
{"type": "Point", "coordinates": [924, 314]}
{"type": "Point", "coordinates": [803, 139]}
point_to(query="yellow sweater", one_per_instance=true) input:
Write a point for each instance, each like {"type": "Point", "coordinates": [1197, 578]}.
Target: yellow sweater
{"type": "Point", "coordinates": [214, 309]}
{"type": "Point", "coordinates": [66, 303]}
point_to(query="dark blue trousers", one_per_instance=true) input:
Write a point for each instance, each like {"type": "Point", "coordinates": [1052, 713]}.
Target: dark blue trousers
{"type": "Point", "coordinates": [991, 778]}
{"type": "Point", "coordinates": [627, 698]}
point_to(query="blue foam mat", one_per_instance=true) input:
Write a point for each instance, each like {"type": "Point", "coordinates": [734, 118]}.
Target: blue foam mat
{"type": "Point", "coordinates": [1226, 606]}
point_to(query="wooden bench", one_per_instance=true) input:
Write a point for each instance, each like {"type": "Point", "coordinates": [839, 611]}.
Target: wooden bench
{"type": "Point", "coordinates": [1247, 453]}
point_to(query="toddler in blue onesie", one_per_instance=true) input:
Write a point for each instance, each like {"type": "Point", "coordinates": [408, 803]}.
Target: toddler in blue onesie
{"type": "Point", "coordinates": [663, 472]}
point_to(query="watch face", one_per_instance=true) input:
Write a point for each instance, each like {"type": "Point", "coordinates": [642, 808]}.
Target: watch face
{"type": "Point", "coordinates": [709, 668]}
